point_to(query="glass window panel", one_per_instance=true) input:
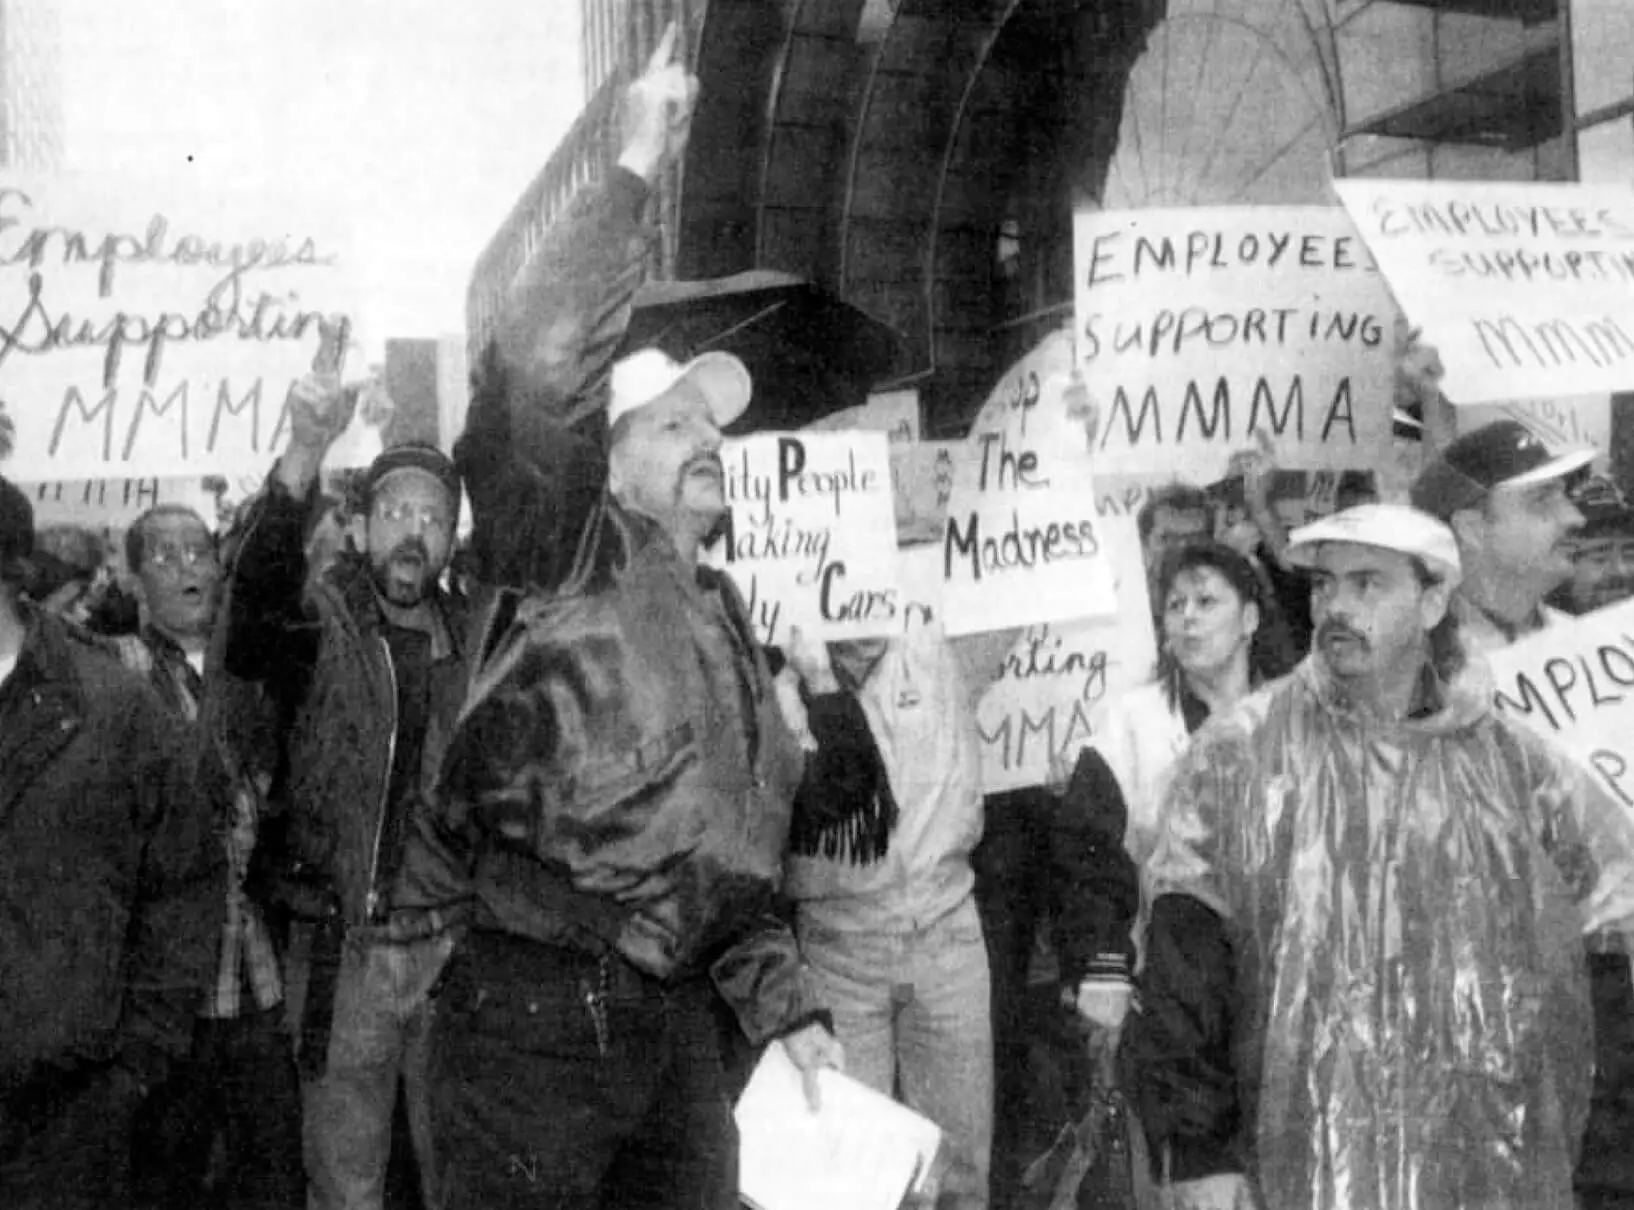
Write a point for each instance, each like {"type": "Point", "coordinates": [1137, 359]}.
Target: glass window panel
{"type": "Point", "coordinates": [1602, 53]}
{"type": "Point", "coordinates": [1605, 153]}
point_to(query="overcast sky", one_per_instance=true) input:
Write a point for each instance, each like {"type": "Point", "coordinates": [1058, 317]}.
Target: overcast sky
{"type": "Point", "coordinates": [422, 120]}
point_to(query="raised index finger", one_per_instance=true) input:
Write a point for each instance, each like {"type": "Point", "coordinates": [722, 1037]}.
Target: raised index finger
{"type": "Point", "coordinates": [665, 50]}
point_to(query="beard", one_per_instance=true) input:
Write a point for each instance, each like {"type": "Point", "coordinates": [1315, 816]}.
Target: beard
{"type": "Point", "coordinates": [404, 572]}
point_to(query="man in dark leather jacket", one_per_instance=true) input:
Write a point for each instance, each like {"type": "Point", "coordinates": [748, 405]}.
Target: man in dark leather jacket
{"type": "Point", "coordinates": [620, 790]}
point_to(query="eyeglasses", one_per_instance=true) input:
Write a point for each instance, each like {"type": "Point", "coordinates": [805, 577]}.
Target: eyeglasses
{"type": "Point", "coordinates": [401, 512]}
{"type": "Point", "coordinates": [174, 558]}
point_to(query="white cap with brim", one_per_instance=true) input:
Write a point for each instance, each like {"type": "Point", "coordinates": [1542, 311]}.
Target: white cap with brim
{"type": "Point", "coordinates": [1394, 527]}
{"type": "Point", "coordinates": [647, 374]}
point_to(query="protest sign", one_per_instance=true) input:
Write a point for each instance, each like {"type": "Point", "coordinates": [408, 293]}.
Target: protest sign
{"type": "Point", "coordinates": [1197, 329]}
{"type": "Point", "coordinates": [810, 533]}
{"type": "Point", "coordinates": [1041, 703]}
{"type": "Point", "coordinates": [1022, 543]}
{"type": "Point", "coordinates": [150, 330]}
{"type": "Point", "coordinates": [1574, 683]}
{"type": "Point", "coordinates": [1526, 290]}
{"type": "Point", "coordinates": [115, 503]}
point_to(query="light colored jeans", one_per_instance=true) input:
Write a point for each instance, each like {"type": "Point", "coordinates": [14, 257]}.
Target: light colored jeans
{"type": "Point", "coordinates": [914, 1008]}
{"type": "Point", "coordinates": [381, 1033]}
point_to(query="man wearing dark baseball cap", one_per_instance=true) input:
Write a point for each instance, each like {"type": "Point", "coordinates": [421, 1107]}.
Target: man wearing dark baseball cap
{"type": "Point", "coordinates": [369, 663]}
{"type": "Point", "coordinates": [1504, 494]}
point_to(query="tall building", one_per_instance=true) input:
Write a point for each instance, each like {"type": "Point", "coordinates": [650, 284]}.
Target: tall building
{"type": "Point", "coordinates": [31, 118]}
{"type": "Point", "coordinates": [924, 159]}
{"type": "Point", "coordinates": [620, 34]}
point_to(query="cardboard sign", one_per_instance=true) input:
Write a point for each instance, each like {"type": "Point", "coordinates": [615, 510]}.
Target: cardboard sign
{"type": "Point", "coordinates": [1198, 329]}
{"type": "Point", "coordinates": [1051, 681]}
{"type": "Point", "coordinates": [810, 538]}
{"type": "Point", "coordinates": [1526, 290]}
{"type": "Point", "coordinates": [115, 503]}
{"type": "Point", "coordinates": [155, 330]}
{"type": "Point", "coordinates": [1022, 543]}
{"type": "Point", "coordinates": [1574, 683]}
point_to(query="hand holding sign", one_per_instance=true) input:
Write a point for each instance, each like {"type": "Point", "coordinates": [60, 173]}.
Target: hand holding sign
{"type": "Point", "coordinates": [1081, 406]}
{"type": "Point", "coordinates": [657, 112]}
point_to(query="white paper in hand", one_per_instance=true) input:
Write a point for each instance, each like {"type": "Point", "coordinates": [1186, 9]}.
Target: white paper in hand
{"type": "Point", "coordinates": [861, 1151]}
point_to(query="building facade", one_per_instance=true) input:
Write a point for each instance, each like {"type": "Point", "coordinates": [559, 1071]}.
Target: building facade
{"type": "Point", "coordinates": [31, 117]}
{"type": "Point", "coordinates": [923, 158]}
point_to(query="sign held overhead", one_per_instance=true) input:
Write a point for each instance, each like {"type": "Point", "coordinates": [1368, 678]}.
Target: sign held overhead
{"type": "Point", "coordinates": [1198, 329]}
{"type": "Point", "coordinates": [1526, 290]}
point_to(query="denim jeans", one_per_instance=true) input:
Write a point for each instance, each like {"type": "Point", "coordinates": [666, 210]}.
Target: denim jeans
{"type": "Point", "coordinates": [568, 1080]}
{"type": "Point", "coordinates": [913, 1011]}
{"type": "Point", "coordinates": [381, 1033]}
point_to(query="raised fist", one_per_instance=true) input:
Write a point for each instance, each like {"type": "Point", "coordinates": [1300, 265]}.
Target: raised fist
{"type": "Point", "coordinates": [320, 408]}
{"type": "Point", "coordinates": [656, 112]}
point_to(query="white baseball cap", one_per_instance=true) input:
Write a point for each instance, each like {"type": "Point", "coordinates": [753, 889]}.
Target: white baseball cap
{"type": "Point", "coordinates": [1394, 527]}
{"type": "Point", "coordinates": [646, 374]}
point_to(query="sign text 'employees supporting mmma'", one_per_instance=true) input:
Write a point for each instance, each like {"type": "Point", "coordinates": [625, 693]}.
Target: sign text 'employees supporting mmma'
{"type": "Point", "coordinates": [1527, 290]}
{"type": "Point", "coordinates": [154, 330]}
{"type": "Point", "coordinates": [1199, 328]}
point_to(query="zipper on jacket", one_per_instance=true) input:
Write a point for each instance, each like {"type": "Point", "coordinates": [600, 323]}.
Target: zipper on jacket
{"type": "Point", "coordinates": [595, 1001]}
{"type": "Point", "coordinates": [371, 900]}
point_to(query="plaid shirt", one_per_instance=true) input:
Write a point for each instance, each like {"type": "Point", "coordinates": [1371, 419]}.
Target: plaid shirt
{"type": "Point", "coordinates": [247, 959]}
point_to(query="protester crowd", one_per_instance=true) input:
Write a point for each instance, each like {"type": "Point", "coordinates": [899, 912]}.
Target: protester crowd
{"type": "Point", "coordinates": [326, 842]}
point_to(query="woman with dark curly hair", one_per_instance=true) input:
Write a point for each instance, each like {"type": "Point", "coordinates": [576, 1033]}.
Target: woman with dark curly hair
{"type": "Point", "coordinates": [1222, 637]}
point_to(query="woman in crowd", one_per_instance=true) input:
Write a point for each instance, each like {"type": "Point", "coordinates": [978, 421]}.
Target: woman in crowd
{"type": "Point", "coordinates": [1222, 637]}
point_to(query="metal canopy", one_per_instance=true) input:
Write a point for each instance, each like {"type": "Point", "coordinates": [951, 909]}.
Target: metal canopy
{"type": "Point", "coordinates": [1514, 106]}
{"type": "Point", "coordinates": [1528, 11]}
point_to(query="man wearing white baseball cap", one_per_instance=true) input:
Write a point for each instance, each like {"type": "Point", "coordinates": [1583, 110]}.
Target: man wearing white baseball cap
{"type": "Point", "coordinates": [620, 790]}
{"type": "Point", "coordinates": [1365, 984]}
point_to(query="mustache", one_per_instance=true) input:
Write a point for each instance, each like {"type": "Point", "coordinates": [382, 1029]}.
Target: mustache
{"type": "Point", "coordinates": [1339, 630]}
{"type": "Point", "coordinates": [412, 545]}
{"type": "Point", "coordinates": [709, 459]}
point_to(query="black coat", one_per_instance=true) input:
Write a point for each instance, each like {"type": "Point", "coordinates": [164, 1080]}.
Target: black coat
{"type": "Point", "coordinates": [112, 872]}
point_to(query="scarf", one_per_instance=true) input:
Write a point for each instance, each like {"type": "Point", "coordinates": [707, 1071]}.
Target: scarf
{"type": "Point", "coordinates": [844, 809]}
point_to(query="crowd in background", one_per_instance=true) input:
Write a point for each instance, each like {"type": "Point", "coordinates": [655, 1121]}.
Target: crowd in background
{"type": "Point", "coordinates": [329, 839]}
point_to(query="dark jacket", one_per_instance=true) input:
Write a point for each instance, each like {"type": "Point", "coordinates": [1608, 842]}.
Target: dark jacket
{"type": "Point", "coordinates": [529, 455]}
{"type": "Point", "coordinates": [112, 883]}
{"type": "Point", "coordinates": [320, 649]}
{"type": "Point", "coordinates": [622, 778]}
{"type": "Point", "coordinates": [1095, 885]}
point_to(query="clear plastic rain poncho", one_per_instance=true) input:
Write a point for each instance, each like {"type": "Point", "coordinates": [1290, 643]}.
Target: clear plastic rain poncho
{"type": "Point", "coordinates": [1408, 904]}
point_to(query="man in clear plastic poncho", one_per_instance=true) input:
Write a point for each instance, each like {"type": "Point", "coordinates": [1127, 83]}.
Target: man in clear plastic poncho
{"type": "Point", "coordinates": [1365, 981]}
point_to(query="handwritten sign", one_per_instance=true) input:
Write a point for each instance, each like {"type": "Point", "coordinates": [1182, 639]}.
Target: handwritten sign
{"type": "Point", "coordinates": [1022, 543]}
{"type": "Point", "coordinates": [1058, 673]}
{"type": "Point", "coordinates": [153, 330]}
{"type": "Point", "coordinates": [1526, 290]}
{"type": "Point", "coordinates": [115, 503]}
{"type": "Point", "coordinates": [1043, 699]}
{"type": "Point", "coordinates": [1574, 683]}
{"type": "Point", "coordinates": [810, 536]}
{"type": "Point", "coordinates": [1198, 329]}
